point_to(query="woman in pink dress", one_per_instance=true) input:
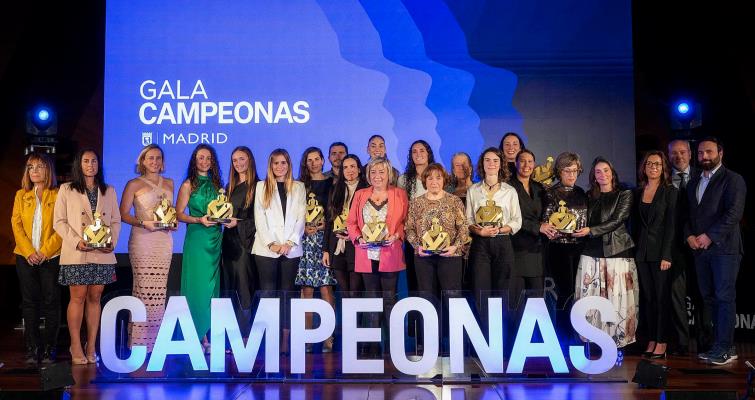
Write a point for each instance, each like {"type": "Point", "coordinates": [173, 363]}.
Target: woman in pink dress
{"type": "Point", "coordinates": [150, 248]}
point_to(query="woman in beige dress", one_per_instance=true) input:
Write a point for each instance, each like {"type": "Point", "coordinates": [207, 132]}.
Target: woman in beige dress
{"type": "Point", "coordinates": [149, 248]}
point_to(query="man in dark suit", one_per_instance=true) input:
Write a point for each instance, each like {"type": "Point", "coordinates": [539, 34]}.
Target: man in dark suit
{"type": "Point", "coordinates": [716, 205]}
{"type": "Point", "coordinates": [683, 276]}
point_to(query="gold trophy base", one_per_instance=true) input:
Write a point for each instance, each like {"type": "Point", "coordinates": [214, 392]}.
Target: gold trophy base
{"type": "Point", "coordinates": [98, 245]}
{"type": "Point", "coordinates": [434, 252]}
{"type": "Point", "coordinates": [165, 226]}
{"type": "Point", "coordinates": [381, 243]}
{"type": "Point", "coordinates": [219, 220]}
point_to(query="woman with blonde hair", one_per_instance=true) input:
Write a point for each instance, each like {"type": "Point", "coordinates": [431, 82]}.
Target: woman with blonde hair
{"type": "Point", "coordinates": [279, 211]}
{"type": "Point", "coordinates": [150, 248]}
{"type": "Point", "coordinates": [37, 262]}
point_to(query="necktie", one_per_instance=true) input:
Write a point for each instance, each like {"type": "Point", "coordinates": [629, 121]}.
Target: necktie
{"type": "Point", "coordinates": [682, 182]}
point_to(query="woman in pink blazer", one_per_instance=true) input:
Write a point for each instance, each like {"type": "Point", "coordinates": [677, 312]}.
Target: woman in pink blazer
{"type": "Point", "coordinates": [379, 266]}
{"type": "Point", "coordinates": [85, 271]}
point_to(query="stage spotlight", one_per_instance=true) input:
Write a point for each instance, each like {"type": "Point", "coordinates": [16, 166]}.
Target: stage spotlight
{"type": "Point", "coordinates": [685, 115]}
{"type": "Point", "coordinates": [41, 129]}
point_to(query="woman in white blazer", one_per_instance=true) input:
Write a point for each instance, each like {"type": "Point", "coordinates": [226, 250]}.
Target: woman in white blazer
{"type": "Point", "coordinates": [279, 210]}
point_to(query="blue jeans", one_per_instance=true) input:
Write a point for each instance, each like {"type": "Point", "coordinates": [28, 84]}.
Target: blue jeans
{"type": "Point", "coordinates": [717, 279]}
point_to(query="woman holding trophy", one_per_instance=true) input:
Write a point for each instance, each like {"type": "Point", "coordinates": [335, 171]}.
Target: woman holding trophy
{"type": "Point", "coordinates": [376, 227]}
{"type": "Point", "coordinates": [565, 213]}
{"type": "Point", "coordinates": [312, 273]}
{"type": "Point", "coordinates": [279, 212]}
{"type": "Point", "coordinates": [437, 229]}
{"type": "Point", "coordinates": [493, 215]}
{"type": "Point", "coordinates": [201, 206]}
{"type": "Point", "coordinates": [238, 270]}
{"type": "Point", "coordinates": [338, 250]}
{"type": "Point", "coordinates": [150, 245]}
{"type": "Point", "coordinates": [88, 220]}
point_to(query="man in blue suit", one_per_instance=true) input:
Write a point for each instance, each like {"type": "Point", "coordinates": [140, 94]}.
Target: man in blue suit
{"type": "Point", "coordinates": [716, 205]}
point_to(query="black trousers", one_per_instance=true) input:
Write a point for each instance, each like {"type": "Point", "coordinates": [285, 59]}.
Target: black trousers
{"type": "Point", "coordinates": [492, 259]}
{"type": "Point", "coordinates": [278, 274]}
{"type": "Point", "coordinates": [561, 263]}
{"type": "Point", "coordinates": [239, 276]}
{"type": "Point", "coordinates": [349, 281]}
{"type": "Point", "coordinates": [438, 276]}
{"type": "Point", "coordinates": [655, 291]}
{"type": "Point", "coordinates": [382, 283]}
{"type": "Point", "coordinates": [40, 297]}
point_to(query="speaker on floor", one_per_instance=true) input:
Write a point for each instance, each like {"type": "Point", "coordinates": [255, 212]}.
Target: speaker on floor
{"type": "Point", "coordinates": [699, 395]}
{"type": "Point", "coordinates": [56, 376]}
{"type": "Point", "coordinates": [650, 375]}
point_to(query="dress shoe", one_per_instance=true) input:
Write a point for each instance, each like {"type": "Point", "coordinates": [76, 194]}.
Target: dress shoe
{"type": "Point", "coordinates": [656, 356]}
{"type": "Point", "coordinates": [32, 355]}
{"type": "Point", "coordinates": [49, 355]}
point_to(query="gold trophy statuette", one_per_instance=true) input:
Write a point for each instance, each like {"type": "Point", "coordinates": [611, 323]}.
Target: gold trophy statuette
{"type": "Point", "coordinates": [489, 214]}
{"type": "Point", "coordinates": [544, 173]}
{"type": "Point", "coordinates": [339, 224]}
{"type": "Point", "coordinates": [375, 232]}
{"type": "Point", "coordinates": [97, 235]}
{"type": "Point", "coordinates": [436, 239]}
{"type": "Point", "coordinates": [165, 215]}
{"type": "Point", "coordinates": [563, 220]}
{"type": "Point", "coordinates": [220, 210]}
{"type": "Point", "coordinates": [315, 212]}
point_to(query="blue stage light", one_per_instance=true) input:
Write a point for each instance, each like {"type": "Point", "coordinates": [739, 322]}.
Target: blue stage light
{"type": "Point", "coordinates": [683, 108]}
{"type": "Point", "coordinates": [43, 115]}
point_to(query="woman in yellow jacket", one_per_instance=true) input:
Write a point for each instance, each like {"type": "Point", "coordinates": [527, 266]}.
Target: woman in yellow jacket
{"type": "Point", "coordinates": [37, 262]}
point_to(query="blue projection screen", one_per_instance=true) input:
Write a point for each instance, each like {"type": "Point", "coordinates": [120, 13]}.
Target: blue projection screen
{"type": "Point", "coordinates": [299, 73]}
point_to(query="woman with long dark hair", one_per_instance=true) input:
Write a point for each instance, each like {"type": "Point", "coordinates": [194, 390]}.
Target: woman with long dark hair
{"type": "Point", "coordinates": [84, 270]}
{"type": "Point", "coordinates": [653, 223]}
{"type": "Point", "coordinates": [606, 267]}
{"type": "Point", "coordinates": [200, 273]}
{"type": "Point", "coordinates": [338, 250]}
{"type": "Point", "coordinates": [528, 250]}
{"type": "Point", "coordinates": [312, 273]}
{"type": "Point", "coordinates": [149, 249]}
{"type": "Point", "coordinates": [493, 215]}
{"type": "Point", "coordinates": [279, 213]}
{"type": "Point", "coordinates": [238, 270]}
{"type": "Point", "coordinates": [37, 257]}
{"type": "Point", "coordinates": [511, 144]}
{"type": "Point", "coordinates": [419, 157]}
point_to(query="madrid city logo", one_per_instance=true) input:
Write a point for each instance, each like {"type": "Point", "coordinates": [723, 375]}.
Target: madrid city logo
{"type": "Point", "coordinates": [146, 138]}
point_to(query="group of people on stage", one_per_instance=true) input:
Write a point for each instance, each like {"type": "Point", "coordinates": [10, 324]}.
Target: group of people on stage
{"type": "Point", "coordinates": [508, 231]}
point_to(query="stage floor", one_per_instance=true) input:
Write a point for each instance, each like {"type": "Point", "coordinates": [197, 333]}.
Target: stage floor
{"type": "Point", "coordinates": [686, 374]}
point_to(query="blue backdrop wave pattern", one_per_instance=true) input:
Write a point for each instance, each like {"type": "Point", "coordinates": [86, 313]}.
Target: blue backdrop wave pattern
{"type": "Point", "coordinates": [436, 70]}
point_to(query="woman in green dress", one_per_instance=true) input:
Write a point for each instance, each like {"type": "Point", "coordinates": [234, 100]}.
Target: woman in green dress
{"type": "Point", "coordinates": [200, 275]}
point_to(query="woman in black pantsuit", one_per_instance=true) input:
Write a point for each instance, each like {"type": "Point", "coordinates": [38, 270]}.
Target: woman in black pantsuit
{"type": "Point", "coordinates": [338, 251]}
{"type": "Point", "coordinates": [238, 266]}
{"type": "Point", "coordinates": [527, 273]}
{"type": "Point", "coordinates": [653, 225]}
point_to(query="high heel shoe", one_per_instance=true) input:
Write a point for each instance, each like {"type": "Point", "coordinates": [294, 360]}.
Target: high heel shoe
{"type": "Point", "coordinates": [327, 345]}
{"type": "Point", "coordinates": [77, 360]}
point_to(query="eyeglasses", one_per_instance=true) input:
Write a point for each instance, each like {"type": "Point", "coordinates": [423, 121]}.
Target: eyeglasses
{"type": "Point", "coordinates": [656, 164]}
{"type": "Point", "coordinates": [570, 171]}
{"type": "Point", "coordinates": [36, 167]}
